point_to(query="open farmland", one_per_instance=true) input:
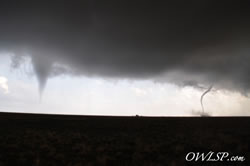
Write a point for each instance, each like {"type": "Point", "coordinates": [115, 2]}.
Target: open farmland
{"type": "Point", "coordinates": [47, 140]}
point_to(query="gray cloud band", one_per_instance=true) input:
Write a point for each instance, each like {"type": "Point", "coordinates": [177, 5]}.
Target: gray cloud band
{"type": "Point", "coordinates": [183, 42]}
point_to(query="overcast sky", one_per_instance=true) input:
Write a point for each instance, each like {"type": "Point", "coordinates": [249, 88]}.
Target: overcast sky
{"type": "Point", "coordinates": [125, 57]}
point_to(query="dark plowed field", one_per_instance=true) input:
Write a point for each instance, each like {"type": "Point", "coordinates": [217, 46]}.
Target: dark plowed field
{"type": "Point", "coordinates": [46, 140]}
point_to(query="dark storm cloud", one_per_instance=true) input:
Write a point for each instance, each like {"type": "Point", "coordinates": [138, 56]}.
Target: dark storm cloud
{"type": "Point", "coordinates": [184, 42]}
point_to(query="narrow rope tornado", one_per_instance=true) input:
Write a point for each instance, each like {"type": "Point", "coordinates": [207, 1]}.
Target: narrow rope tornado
{"type": "Point", "coordinates": [208, 90]}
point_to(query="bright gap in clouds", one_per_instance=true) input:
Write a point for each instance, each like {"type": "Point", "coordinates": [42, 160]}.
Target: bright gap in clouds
{"type": "Point", "coordinates": [3, 84]}
{"type": "Point", "coordinates": [96, 96]}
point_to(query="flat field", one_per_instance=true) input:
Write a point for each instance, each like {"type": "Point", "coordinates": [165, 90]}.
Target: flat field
{"type": "Point", "coordinates": [48, 140]}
